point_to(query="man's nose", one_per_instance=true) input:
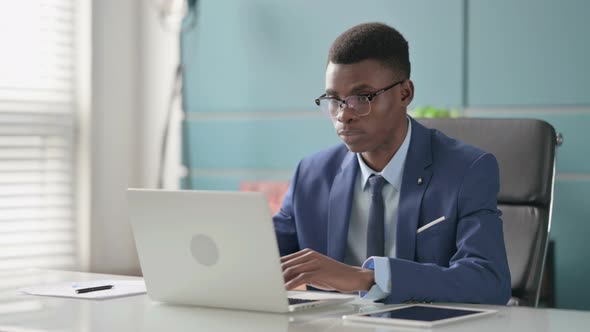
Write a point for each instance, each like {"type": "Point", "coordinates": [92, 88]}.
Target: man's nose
{"type": "Point", "coordinates": [346, 114]}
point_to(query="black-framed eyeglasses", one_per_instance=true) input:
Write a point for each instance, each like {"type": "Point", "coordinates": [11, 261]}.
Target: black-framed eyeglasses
{"type": "Point", "coordinates": [360, 105]}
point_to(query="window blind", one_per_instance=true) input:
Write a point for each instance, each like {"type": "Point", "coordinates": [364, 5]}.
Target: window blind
{"type": "Point", "coordinates": [37, 134]}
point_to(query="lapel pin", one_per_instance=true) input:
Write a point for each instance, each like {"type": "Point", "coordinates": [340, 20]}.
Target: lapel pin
{"type": "Point", "coordinates": [420, 181]}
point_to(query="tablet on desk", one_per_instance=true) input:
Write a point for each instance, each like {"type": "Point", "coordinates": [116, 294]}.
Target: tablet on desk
{"type": "Point", "coordinates": [419, 315]}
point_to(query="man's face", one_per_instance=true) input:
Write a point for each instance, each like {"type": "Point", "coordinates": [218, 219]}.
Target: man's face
{"type": "Point", "coordinates": [377, 130]}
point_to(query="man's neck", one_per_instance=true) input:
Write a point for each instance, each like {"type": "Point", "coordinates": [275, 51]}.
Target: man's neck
{"type": "Point", "coordinates": [379, 158]}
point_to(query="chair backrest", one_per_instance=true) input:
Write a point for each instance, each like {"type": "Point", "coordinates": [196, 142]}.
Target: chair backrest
{"type": "Point", "coordinates": [525, 150]}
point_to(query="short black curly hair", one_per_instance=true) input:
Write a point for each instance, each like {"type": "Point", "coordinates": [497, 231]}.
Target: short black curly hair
{"type": "Point", "coordinates": [372, 41]}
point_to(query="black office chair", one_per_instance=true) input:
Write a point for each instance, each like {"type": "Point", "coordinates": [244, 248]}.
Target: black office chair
{"type": "Point", "coordinates": [526, 153]}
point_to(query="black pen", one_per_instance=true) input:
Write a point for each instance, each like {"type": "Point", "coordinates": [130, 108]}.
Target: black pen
{"type": "Point", "coordinates": [93, 289]}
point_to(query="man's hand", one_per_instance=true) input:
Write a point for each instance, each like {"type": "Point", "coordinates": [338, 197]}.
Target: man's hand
{"type": "Point", "coordinates": [314, 269]}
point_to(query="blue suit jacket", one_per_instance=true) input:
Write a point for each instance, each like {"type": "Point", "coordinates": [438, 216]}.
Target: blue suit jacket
{"type": "Point", "coordinates": [462, 259]}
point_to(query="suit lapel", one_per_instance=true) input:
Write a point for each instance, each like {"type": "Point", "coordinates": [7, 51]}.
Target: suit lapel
{"type": "Point", "coordinates": [339, 206]}
{"type": "Point", "coordinates": [418, 159]}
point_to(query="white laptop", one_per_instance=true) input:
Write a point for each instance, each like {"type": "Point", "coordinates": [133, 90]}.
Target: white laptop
{"type": "Point", "coordinates": [214, 249]}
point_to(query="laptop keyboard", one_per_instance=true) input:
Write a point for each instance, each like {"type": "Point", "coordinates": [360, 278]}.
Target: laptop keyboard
{"type": "Point", "coordinates": [299, 301]}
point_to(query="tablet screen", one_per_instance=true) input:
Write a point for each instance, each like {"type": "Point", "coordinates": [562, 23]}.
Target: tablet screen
{"type": "Point", "coordinates": [420, 313]}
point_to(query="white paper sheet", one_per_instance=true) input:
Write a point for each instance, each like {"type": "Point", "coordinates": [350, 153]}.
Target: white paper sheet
{"type": "Point", "coordinates": [120, 288]}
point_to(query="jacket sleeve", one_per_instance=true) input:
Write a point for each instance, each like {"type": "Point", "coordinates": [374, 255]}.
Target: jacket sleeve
{"type": "Point", "coordinates": [284, 221]}
{"type": "Point", "coordinates": [478, 271]}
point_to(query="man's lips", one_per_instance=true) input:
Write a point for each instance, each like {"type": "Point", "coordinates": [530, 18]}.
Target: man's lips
{"type": "Point", "coordinates": [350, 132]}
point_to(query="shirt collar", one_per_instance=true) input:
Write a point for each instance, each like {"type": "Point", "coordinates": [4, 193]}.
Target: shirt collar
{"type": "Point", "coordinates": [392, 172]}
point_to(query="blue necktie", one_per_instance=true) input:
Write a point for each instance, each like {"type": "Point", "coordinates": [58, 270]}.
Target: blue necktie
{"type": "Point", "coordinates": [376, 228]}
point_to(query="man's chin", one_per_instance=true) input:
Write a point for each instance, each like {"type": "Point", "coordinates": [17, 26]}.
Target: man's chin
{"type": "Point", "coordinates": [355, 148]}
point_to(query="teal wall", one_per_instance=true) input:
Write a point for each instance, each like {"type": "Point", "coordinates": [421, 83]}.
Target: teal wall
{"type": "Point", "coordinates": [528, 52]}
{"type": "Point", "coordinates": [254, 67]}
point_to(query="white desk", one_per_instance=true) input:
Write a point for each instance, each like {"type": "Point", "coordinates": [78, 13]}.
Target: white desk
{"type": "Point", "coordinates": [19, 312]}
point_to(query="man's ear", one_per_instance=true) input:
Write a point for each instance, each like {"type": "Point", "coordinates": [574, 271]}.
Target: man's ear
{"type": "Point", "coordinates": [407, 92]}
